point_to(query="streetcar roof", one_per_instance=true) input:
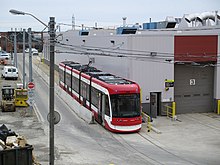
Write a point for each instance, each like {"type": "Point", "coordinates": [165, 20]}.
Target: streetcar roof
{"type": "Point", "coordinates": [98, 74]}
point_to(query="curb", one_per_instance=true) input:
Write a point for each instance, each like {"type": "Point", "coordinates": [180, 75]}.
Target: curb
{"type": "Point", "coordinates": [156, 130]}
{"type": "Point", "coordinates": [81, 111]}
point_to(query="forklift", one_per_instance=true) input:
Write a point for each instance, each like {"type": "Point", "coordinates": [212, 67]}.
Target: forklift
{"type": "Point", "coordinates": [8, 100]}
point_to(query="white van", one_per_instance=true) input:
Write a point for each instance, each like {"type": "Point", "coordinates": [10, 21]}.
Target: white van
{"type": "Point", "coordinates": [10, 72]}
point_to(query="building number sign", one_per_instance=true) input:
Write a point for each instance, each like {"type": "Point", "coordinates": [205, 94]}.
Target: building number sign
{"type": "Point", "coordinates": [192, 82]}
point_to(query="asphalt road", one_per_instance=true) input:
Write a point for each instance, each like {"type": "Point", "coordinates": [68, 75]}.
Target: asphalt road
{"type": "Point", "coordinates": [80, 143]}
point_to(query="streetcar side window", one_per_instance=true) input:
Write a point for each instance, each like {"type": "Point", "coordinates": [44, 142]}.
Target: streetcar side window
{"type": "Point", "coordinates": [107, 109]}
{"type": "Point", "coordinates": [61, 75]}
{"type": "Point", "coordinates": [84, 87]}
{"type": "Point", "coordinates": [87, 92]}
{"type": "Point", "coordinates": [68, 79]}
{"type": "Point", "coordinates": [95, 97]}
{"type": "Point", "coordinates": [75, 84]}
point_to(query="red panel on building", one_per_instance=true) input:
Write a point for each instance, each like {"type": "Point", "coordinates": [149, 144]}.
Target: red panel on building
{"type": "Point", "coordinates": [195, 48]}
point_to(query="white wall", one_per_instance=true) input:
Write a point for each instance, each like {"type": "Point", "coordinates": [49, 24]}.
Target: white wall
{"type": "Point", "coordinates": [151, 77]}
{"type": "Point", "coordinates": [115, 65]}
{"type": "Point", "coordinates": [150, 73]}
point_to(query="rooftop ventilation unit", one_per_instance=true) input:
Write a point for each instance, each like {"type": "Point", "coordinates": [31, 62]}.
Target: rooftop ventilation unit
{"type": "Point", "coordinates": [83, 32]}
{"type": "Point", "coordinates": [126, 30]}
{"type": "Point", "coordinates": [191, 17]}
{"type": "Point", "coordinates": [205, 16]}
{"type": "Point", "coordinates": [170, 22]}
{"type": "Point", "coordinates": [124, 21]}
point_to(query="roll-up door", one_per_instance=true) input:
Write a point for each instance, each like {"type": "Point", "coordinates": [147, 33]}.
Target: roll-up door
{"type": "Point", "coordinates": [193, 88]}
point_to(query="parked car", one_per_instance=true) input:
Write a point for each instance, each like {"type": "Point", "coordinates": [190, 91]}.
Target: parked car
{"type": "Point", "coordinates": [10, 72]}
{"type": "Point", "coordinates": [4, 55]}
{"type": "Point", "coordinates": [27, 50]}
{"type": "Point", "coordinates": [33, 51]}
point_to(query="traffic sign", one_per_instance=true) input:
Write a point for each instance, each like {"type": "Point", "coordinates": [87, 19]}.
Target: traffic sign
{"type": "Point", "coordinates": [30, 93]}
{"type": "Point", "coordinates": [57, 117]}
{"type": "Point", "coordinates": [31, 85]}
{"type": "Point", "coordinates": [30, 102]}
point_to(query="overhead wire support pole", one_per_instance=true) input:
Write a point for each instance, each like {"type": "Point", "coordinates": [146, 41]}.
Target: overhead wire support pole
{"type": "Point", "coordinates": [51, 106]}
{"type": "Point", "coordinates": [30, 54]}
{"type": "Point", "coordinates": [24, 59]}
{"type": "Point", "coordinates": [15, 50]}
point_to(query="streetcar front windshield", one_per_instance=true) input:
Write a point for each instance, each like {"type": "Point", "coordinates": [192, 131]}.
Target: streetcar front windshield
{"type": "Point", "coordinates": [127, 105]}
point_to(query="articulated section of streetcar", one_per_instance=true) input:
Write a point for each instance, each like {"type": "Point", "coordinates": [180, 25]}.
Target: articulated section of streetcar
{"type": "Point", "coordinates": [115, 101]}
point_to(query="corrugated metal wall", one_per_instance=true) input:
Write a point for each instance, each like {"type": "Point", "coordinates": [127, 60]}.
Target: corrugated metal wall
{"type": "Point", "coordinates": [196, 48]}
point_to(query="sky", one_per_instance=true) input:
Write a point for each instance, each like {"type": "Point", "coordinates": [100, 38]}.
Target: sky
{"type": "Point", "coordinates": [104, 13]}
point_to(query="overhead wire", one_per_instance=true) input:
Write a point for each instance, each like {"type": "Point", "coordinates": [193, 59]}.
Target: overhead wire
{"type": "Point", "coordinates": [83, 52]}
{"type": "Point", "coordinates": [117, 51]}
{"type": "Point", "coordinates": [143, 54]}
{"type": "Point", "coordinates": [158, 60]}
{"type": "Point", "coordinates": [135, 52]}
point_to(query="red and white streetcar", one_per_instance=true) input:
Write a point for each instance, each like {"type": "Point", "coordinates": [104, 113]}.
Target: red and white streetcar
{"type": "Point", "coordinates": [114, 101]}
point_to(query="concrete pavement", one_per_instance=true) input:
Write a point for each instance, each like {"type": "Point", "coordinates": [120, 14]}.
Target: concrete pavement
{"type": "Point", "coordinates": [194, 137]}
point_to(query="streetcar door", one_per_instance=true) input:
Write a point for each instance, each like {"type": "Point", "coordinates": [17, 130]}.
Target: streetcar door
{"type": "Point", "coordinates": [103, 108]}
{"type": "Point", "coordinates": [100, 108]}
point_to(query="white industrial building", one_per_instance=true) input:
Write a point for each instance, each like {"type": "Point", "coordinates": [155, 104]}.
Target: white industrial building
{"type": "Point", "coordinates": [154, 57]}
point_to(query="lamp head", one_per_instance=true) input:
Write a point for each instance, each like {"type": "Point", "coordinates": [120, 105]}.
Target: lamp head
{"type": "Point", "coordinates": [16, 12]}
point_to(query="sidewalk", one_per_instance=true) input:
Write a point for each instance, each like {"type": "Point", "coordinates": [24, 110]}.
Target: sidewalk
{"type": "Point", "coordinates": [45, 68]}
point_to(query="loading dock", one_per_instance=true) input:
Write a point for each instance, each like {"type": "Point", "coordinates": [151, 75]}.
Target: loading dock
{"type": "Point", "coordinates": [193, 90]}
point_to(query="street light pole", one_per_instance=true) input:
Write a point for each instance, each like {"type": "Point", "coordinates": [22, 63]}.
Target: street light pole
{"type": "Point", "coordinates": [51, 106]}
{"type": "Point", "coordinates": [51, 82]}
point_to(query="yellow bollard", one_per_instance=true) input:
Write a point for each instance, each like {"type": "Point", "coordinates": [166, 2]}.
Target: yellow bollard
{"type": "Point", "coordinates": [174, 110]}
{"type": "Point", "coordinates": [42, 59]}
{"type": "Point", "coordinates": [148, 120]}
{"type": "Point", "coordinates": [218, 107]}
{"type": "Point", "coordinates": [148, 123]}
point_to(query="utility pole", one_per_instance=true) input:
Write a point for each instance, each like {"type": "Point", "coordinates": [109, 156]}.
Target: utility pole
{"type": "Point", "coordinates": [30, 55]}
{"type": "Point", "coordinates": [15, 50]}
{"type": "Point", "coordinates": [51, 106]}
{"type": "Point", "coordinates": [24, 59]}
